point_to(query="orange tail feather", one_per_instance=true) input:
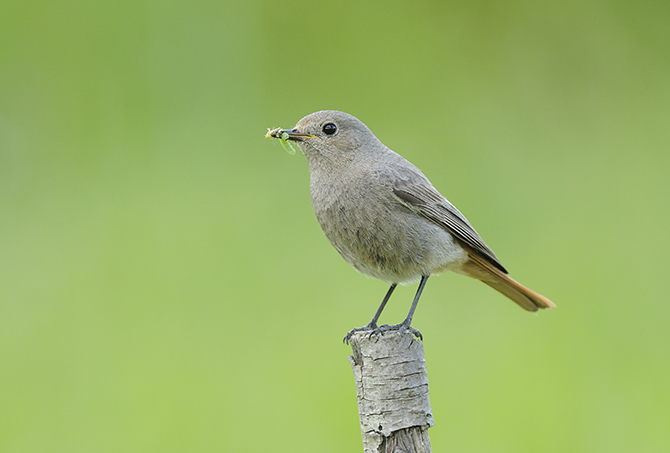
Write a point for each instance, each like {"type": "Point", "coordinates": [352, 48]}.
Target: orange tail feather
{"type": "Point", "coordinates": [478, 267]}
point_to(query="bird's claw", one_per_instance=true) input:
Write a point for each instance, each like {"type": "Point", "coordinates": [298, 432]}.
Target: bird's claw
{"type": "Point", "coordinates": [376, 330]}
{"type": "Point", "coordinates": [401, 327]}
{"type": "Point", "coordinates": [372, 329]}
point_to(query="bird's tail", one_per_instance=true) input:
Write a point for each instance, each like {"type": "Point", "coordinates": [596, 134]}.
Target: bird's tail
{"type": "Point", "coordinates": [480, 268]}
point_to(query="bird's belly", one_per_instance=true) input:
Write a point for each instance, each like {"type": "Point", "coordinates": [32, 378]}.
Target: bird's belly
{"type": "Point", "coordinates": [394, 245]}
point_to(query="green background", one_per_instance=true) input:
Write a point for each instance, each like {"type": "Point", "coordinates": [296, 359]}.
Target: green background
{"type": "Point", "coordinates": [164, 285]}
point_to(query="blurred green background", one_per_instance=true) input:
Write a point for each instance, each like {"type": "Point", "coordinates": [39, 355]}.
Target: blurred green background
{"type": "Point", "coordinates": [164, 285]}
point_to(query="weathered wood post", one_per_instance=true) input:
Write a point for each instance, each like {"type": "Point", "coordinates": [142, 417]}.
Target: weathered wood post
{"type": "Point", "coordinates": [392, 391]}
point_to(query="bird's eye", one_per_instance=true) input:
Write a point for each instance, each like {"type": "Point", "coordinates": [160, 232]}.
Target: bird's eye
{"type": "Point", "coordinates": [329, 128]}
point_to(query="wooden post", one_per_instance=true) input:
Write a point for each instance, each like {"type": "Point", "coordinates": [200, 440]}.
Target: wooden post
{"type": "Point", "coordinates": [392, 391]}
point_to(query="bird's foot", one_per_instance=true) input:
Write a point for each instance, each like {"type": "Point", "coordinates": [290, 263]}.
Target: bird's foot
{"type": "Point", "coordinates": [372, 329]}
{"type": "Point", "coordinates": [401, 327]}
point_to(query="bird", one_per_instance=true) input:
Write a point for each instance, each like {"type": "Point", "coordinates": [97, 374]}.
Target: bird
{"type": "Point", "coordinates": [385, 218]}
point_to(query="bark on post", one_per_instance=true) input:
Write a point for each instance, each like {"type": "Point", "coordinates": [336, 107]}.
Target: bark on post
{"type": "Point", "coordinates": [392, 392]}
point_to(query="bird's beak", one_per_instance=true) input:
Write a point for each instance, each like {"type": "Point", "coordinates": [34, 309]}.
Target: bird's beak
{"type": "Point", "coordinates": [293, 134]}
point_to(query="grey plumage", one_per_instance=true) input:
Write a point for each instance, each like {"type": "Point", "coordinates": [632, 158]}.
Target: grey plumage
{"type": "Point", "coordinates": [385, 217]}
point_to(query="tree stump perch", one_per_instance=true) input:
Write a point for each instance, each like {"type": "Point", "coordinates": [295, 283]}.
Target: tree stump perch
{"type": "Point", "coordinates": [392, 392]}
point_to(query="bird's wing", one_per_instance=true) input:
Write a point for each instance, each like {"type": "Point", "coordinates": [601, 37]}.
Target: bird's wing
{"type": "Point", "coordinates": [414, 189]}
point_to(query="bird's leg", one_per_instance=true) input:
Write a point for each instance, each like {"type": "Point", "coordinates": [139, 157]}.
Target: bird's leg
{"type": "Point", "coordinates": [372, 325]}
{"type": "Point", "coordinates": [373, 322]}
{"type": "Point", "coordinates": [410, 315]}
{"type": "Point", "coordinates": [408, 320]}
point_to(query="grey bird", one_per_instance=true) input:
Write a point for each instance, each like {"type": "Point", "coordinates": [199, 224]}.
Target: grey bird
{"type": "Point", "coordinates": [386, 219]}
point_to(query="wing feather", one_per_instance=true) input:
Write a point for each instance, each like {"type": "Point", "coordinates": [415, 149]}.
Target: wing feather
{"type": "Point", "coordinates": [414, 189]}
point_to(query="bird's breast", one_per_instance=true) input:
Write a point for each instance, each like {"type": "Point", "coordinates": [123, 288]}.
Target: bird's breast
{"type": "Point", "coordinates": [376, 233]}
